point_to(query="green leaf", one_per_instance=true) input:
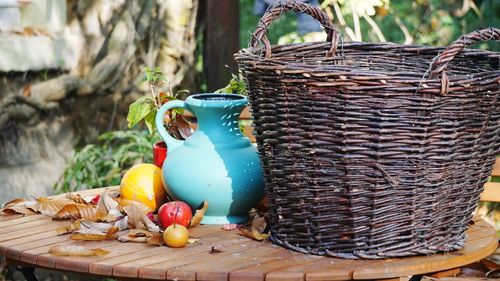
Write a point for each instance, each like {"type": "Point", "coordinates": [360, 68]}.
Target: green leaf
{"type": "Point", "coordinates": [150, 121]}
{"type": "Point", "coordinates": [138, 110]}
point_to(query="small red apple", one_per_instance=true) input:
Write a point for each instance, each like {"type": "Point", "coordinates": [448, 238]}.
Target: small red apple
{"type": "Point", "coordinates": [177, 211]}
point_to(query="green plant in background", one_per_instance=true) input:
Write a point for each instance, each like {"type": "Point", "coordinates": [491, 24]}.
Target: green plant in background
{"type": "Point", "coordinates": [102, 164]}
{"type": "Point", "coordinates": [287, 23]}
{"type": "Point", "coordinates": [235, 86]}
{"type": "Point", "coordinates": [423, 22]}
{"type": "Point", "coordinates": [145, 108]}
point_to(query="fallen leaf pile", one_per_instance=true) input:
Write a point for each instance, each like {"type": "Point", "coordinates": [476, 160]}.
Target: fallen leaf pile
{"type": "Point", "coordinates": [108, 217]}
{"type": "Point", "coordinates": [97, 218]}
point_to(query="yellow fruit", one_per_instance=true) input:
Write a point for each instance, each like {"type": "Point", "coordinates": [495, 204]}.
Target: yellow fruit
{"type": "Point", "coordinates": [143, 183]}
{"type": "Point", "coordinates": [176, 236]}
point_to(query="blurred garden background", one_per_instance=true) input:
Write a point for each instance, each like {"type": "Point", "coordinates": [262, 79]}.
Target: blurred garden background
{"type": "Point", "coordinates": [70, 69]}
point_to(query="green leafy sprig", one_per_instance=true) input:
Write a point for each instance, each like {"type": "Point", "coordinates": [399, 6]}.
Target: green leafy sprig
{"type": "Point", "coordinates": [145, 108]}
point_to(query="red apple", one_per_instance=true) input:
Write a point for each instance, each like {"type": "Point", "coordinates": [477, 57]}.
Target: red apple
{"type": "Point", "coordinates": [175, 211]}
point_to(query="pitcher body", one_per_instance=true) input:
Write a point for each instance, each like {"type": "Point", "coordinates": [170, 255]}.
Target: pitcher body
{"type": "Point", "coordinates": [217, 163]}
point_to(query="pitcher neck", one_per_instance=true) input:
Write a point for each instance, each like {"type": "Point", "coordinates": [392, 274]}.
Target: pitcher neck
{"type": "Point", "coordinates": [217, 120]}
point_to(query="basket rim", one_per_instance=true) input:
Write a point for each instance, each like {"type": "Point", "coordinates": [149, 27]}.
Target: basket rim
{"type": "Point", "coordinates": [256, 55]}
{"type": "Point", "coordinates": [419, 49]}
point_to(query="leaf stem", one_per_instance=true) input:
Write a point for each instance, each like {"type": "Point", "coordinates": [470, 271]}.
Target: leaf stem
{"type": "Point", "coordinates": [152, 87]}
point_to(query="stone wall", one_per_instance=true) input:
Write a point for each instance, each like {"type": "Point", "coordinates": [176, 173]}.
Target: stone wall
{"type": "Point", "coordinates": [34, 153]}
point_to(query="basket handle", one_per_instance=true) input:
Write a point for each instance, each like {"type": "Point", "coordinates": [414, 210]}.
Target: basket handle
{"type": "Point", "coordinates": [260, 33]}
{"type": "Point", "coordinates": [440, 62]}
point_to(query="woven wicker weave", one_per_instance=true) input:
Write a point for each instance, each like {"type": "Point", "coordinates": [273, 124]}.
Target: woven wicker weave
{"type": "Point", "coordinates": [372, 150]}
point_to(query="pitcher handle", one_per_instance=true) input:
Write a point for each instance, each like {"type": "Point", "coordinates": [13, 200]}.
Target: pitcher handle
{"type": "Point", "coordinates": [172, 143]}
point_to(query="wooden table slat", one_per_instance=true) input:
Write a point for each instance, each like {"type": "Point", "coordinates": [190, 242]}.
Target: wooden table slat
{"type": "Point", "coordinates": [4, 218]}
{"type": "Point", "coordinates": [283, 260]}
{"type": "Point", "coordinates": [133, 267]}
{"type": "Point", "coordinates": [476, 249]}
{"type": "Point", "coordinates": [18, 220]}
{"type": "Point", "coordinates": [206, 271]}
{"type": "Point", "coordinates": [21, 232]}
{"type": "Point", "coordinates": [159, 269]}
{"type": "Point", "coordinates": [131, 263]}
{"type": "Point", "coordinates": [27, 240]}
{"type": "Point", "coordinates": [203, 268]}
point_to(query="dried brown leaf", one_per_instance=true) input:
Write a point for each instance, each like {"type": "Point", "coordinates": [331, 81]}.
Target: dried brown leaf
{"type": "Point", "coordinates": [251, 232]}
{"type": "Point", "coordinates": [122, 223]}
{"type": "Point", "coordinates": [13, 202]}
{"type": "Point", "coordinates": [140, 233]}
{"type": "Point", "coordinates": [219, 248]}
{"type": "Point", "coordinates": [70, 211]}
{"type": "Point", "coordinates": [101, 227]}
{"type": "Point", "coordinates": [136, 235]}
{"type": "Point", "coordinates": [257, 228]}
{"type": "Point", "coordinates": [44, 199]}
{"type": "Point", "coordinates": [69, 228]}
{"type": "Point", "coordinates": [126, 238]}
{"type": "Point", "coordinates": [183, 126]}
{"type": "Point", "coordinates": [77, 251]}
{"type": "Point", "coordinates": [138, 220]}
{"type": "Point", "coordinates": [491, 263]}
{"type": "Point", "coordinates": [155, 240]}
{"type": "Point", "coordinates": [124, 202]}
{"type": "Point", "coordinates": [259, 223]}
{"type": "Point", "coordinates": [88, 237]}
{"type": "Point", "coordinates": [198, 216]}
{"type": "Point", "coordinates": [77, 198]}
{"type": "Point", "coordinates": [81, 211]}
{"type": "Point", "coordinates": [17, 206]}
{"type": "Point", "coordinates": [110, 234]}
{"type": "Point", "coordinates": [19, 209]}
{"type": "Point", "coordinates": [50, 207]}
{"type": "Point", "coordinates": [107, 204]}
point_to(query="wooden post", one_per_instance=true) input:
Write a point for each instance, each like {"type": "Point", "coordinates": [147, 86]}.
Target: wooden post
{"type": "Point", "coordinates": [221, 41]}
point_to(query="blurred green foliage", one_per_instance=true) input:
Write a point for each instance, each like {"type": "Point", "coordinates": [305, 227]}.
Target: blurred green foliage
{"type": "Point", "coordinates": [422, 22]}
{"type": "Point", "coordinates": [248, 21]}
{"type": "Point", "coordinates": [103, 164]}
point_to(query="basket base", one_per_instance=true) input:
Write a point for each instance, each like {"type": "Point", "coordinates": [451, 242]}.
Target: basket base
{"type": "Point", "coordinates": [355, 255]}
{"type": "Point", "coordinates": [224, 219]}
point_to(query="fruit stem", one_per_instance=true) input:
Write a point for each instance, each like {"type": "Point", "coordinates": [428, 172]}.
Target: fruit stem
{"type": "Point", "coordinates": [175, 217]}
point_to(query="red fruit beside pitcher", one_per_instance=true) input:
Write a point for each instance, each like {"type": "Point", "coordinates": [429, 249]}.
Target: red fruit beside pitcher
{"type": "Point", "coordinates": [175, 211]}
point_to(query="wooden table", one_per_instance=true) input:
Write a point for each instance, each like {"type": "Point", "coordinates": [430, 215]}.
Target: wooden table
{"type": "Point", "coordinates": [25, 242]}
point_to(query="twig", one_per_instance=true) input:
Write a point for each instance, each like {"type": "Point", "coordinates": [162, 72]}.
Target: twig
{"type": "Point", "coordinates": [375, 28]}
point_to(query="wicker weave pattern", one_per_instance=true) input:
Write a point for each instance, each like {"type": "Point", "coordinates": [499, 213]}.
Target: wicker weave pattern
{"type": "Point", "coordinates": [365, 157]}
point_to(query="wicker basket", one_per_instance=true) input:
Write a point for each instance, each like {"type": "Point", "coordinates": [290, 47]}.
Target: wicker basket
{"type": "Point", "coordinates": [372, 150]}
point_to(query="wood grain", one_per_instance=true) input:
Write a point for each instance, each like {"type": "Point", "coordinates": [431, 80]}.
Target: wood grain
{"type": "Point", "coordinates": [128, 264]}
{"type": "Point", "coordinates": [9, 217]}
{"type": "Point", "coordinates": [17, 220]}
{"type": "Point", "coordinates": [28, 239]}
{"type": "Point", "coordinates": [475, 250]}
{"type": "Point", "coordinates": [166, 267]}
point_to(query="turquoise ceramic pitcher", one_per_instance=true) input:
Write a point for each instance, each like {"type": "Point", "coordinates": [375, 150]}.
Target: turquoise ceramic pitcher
{"type": "Point", "coordinates": [217, 163]}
